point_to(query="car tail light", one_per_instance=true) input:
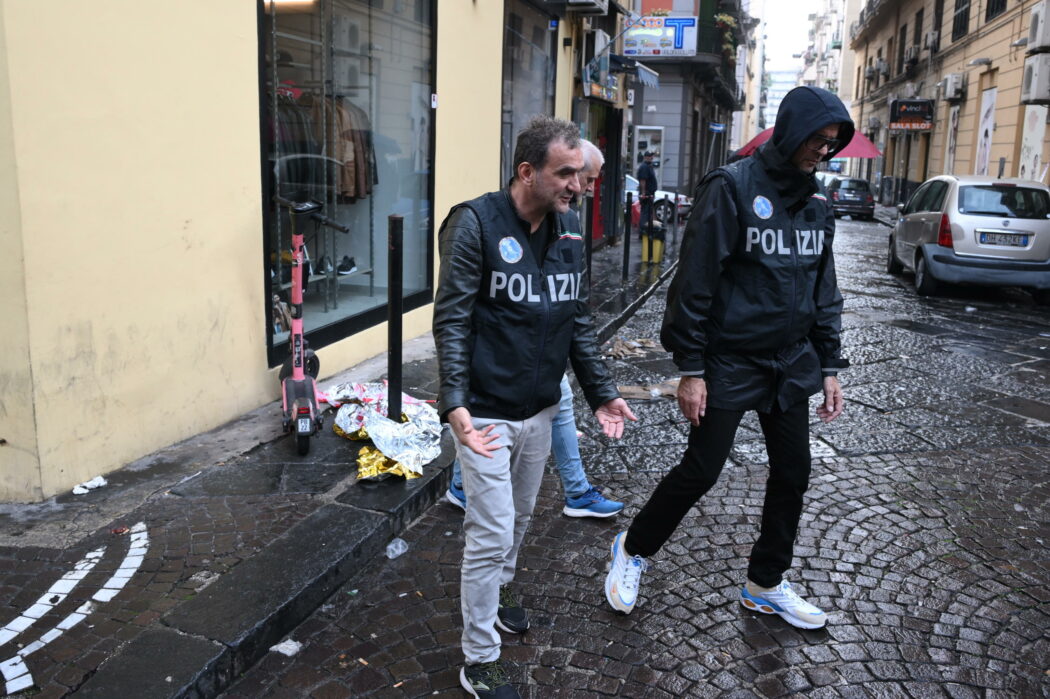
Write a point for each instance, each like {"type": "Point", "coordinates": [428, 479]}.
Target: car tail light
{"type": "Point", "coordinates": [944, 235]}
{"type": "Point", "coordinates": [870, 199]}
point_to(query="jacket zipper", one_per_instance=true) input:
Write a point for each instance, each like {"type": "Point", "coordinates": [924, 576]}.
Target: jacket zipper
{"type": "Point", "coordinates": [794, 277]}
{"type": "Point", "coordinates": [543, 335]}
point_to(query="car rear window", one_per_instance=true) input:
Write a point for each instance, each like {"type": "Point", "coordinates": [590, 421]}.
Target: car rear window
{"type": "Point", "coordinates": [998, 200]}
{"type": "Point", "coordinates": [861, 185]}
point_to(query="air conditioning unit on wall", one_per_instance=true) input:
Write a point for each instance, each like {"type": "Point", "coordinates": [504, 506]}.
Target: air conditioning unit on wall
{"type": "Point", "coordinates": [911, 54]}
{"type": "Point", "coordinates": [589, 7]}
{"type": "Point", "coordinates": [1035, 86]}
{"type": "Point", "coordinates": [1039, 28]}
{"type": "Point", "coordinates": [954, 84]}
{"type": "Point", "coordinates": [931, 41]}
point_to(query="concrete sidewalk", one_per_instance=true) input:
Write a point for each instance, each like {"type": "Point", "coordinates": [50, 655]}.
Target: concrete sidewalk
{"type": "Point", "coordinates": [184, 569]}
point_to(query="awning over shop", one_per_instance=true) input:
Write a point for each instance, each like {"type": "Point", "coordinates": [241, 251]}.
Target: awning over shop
{"type": "Point", "coordinates": [646, 75]}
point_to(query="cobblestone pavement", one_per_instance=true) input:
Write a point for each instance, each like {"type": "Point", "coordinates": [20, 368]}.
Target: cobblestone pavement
{"type": "Point", "coordinates": [196, 533]}
{"type": "Point", "coordinates": [925, 536]}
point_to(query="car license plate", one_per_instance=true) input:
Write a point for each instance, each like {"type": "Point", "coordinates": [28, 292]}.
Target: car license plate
{"type": "Point", "coordinates": [1013, 239]}
{"type": "Point", "coordinates": [304, 425]}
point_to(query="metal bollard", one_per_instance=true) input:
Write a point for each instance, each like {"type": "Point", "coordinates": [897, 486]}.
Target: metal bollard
{"type": "Point", "coordinates": [627, 237]}
{"type": "Point", "coordinates": [649, 228]}
{"type": "Point", "coordinates": [674, 219]}
{"type": "Point", "coordinates": [395, 306]}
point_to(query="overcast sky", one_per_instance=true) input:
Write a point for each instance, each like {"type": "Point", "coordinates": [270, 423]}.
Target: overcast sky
{"type": "Point", "coordinates": [787, 29]}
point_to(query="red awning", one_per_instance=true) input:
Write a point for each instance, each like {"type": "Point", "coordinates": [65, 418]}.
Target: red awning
{"type": "Point", "coordinates": [859, 146]}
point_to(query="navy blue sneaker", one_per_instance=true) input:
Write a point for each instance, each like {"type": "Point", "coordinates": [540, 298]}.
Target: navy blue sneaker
{"type": "Point", "coordinates": [456, 496]}
{"type": "Point", "coordinates": [591, 504]}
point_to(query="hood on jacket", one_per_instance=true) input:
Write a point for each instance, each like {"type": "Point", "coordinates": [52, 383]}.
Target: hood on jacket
{"type": "Point", "coordinates": [803, 112]}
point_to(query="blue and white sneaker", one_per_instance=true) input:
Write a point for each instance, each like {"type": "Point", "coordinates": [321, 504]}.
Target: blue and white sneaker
{"type": "Point", "coordinates": [784, 601]}
{"type": "Point", "coordinates": [624, 578]}
{"type": "Point", "coordinates": [456, 496]}
{"type": "Point", "coordinates": [591, 504]}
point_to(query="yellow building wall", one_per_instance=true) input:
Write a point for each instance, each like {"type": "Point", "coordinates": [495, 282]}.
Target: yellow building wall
{"type": "Point", "coordinates": [19, 460]}
{"type": "Point", "coordinates": [984, 40]}
{"type": "Point", "coordinates": [563, 85]}
{"type": "Point", "coordinates": [130, 182]}
{"type": "Point", "coordinates": [135, 136]}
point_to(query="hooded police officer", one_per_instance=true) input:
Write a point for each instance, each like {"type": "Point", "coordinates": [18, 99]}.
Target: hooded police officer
{"type": "Point", "coordinates": [752, 321]}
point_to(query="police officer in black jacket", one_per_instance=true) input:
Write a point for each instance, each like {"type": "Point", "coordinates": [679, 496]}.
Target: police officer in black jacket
{"type": "Point", "coordinates": [510, 312]}
{"type": "Point", "coordinates": [752, 320]}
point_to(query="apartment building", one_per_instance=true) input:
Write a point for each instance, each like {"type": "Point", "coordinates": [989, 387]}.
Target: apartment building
{"type": "Point", "coordinates": [951, 86]}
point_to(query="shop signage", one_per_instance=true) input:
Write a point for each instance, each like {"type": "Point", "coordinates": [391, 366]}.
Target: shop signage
{"type": "Point", "coordinates": [660, 36]}
{"type": "Point", "coordinates": [604, 92]}
{"type": "Point", "coordinates": [911, 115]}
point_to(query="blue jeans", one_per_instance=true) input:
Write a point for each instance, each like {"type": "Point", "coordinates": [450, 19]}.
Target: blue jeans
{"type": "Point", "coordinates": [564, 444]}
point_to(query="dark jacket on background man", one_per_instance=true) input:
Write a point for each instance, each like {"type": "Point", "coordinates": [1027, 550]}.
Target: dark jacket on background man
{"type": "Point", "coordinates": [754, 307]}
{"type": "Point", "coordinates": [505, 324]}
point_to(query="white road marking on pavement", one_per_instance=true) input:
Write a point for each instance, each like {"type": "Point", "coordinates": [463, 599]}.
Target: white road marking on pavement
{"type": "Point", "coordinates": [16, 674]}
{"type": "Point", "coordinates": [54, 596]}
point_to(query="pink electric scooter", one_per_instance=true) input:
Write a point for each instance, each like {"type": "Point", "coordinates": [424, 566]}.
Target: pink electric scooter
{"type": "Point", "coordinates": [299, 394]}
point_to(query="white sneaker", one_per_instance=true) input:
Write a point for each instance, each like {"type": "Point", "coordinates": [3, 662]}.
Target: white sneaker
{"type": "Point", "coordinates": [624, 578]}
{"type": "Point", "coordinates": [782, 600]}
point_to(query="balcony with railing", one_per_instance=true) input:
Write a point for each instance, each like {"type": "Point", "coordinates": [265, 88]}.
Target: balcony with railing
{"type": "Point", "coordinates": [868, 14]}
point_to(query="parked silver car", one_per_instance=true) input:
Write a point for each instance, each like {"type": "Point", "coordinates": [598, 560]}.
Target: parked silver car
{"type": "Point", "coordinates": [964, 229]}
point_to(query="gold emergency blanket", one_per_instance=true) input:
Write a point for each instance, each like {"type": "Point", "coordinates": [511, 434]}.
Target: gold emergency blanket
{"type": "Point", "coordinates": [401, 448]}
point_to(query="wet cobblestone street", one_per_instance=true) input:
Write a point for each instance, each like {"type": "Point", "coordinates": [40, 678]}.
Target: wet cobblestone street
{"type": "Point", "coordinates": [924, 535]}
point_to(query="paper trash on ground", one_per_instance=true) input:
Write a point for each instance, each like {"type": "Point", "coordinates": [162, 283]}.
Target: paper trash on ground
{"type": "Point", "coordinates": [287, 647]}
{"type": "Point", "coordinates": [96, 482]}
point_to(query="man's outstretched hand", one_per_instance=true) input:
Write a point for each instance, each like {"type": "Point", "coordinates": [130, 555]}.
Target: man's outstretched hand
{"type": "Point", "coordinates": [612, 416]}
{"type": "Point", "coordinates": [481, 442]}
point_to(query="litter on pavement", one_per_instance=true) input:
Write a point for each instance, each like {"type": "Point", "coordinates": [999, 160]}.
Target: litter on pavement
{"type": "Point", "coordinates": [96, 482]}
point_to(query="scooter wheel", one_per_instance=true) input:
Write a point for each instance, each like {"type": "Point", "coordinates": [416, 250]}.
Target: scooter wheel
{"type": "Point", "coordinates": [302, 444]}
{"type": "Point", "coordinates": [313, 364]}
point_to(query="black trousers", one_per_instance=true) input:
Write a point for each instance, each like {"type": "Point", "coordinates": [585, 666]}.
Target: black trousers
{"type": "Point", "coordinates": [787, 443]}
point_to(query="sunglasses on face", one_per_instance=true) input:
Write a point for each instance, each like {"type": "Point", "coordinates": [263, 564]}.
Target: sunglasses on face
{"type": "Point", "coordinates": [816, 142]}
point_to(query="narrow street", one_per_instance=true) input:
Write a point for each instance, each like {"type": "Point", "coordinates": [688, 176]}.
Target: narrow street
{"type": "Point", "coordinates": [924, 535]}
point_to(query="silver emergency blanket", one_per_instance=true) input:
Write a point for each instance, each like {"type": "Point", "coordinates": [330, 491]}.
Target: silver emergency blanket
{"type": "Point", "coordinates": [412, 443]}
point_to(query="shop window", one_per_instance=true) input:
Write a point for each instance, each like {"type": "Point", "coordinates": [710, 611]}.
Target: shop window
{"type": "Point", "coordinates": [961, 19]}
{"type": "Point", "coordinates": [347, 122]}
{"type": "Point", "coordinates": [528, 75]}
{"type": "Point", "coordinates": [994, 9]}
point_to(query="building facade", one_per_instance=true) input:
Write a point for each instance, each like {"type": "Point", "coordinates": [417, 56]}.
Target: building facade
{"type": "Point", "coordinates": [142, 147]}
{"type": "Point", "coordinates": [938, 86]}
{"type": "Point", "coordinates": [688, 120]}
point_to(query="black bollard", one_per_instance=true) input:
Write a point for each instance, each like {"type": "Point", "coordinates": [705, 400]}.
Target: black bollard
{"type": "Point", "coordinates": [395, 227]}
{"type": "Point", "coordinates": [674, 220]}
{"type": "Point", "coordinates": [627, 237]}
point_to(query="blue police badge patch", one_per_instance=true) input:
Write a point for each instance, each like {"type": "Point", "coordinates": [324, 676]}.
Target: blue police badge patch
{"type": "Point", "coordinates": [510, 250]}
{"type": "Point", "coordinates": [763, 207]}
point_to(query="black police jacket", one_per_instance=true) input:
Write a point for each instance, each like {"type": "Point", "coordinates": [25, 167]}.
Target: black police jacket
{"type": "Point", "coordinates": [505, 324]}
{"type": "Point", "coordinates": [754, 307]}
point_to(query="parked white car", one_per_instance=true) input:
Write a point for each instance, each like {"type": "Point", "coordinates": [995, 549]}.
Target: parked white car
{"type": "Point", "coordinates": [662, 204]}
{"type": "Point", "coordinates": [968, 229]}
